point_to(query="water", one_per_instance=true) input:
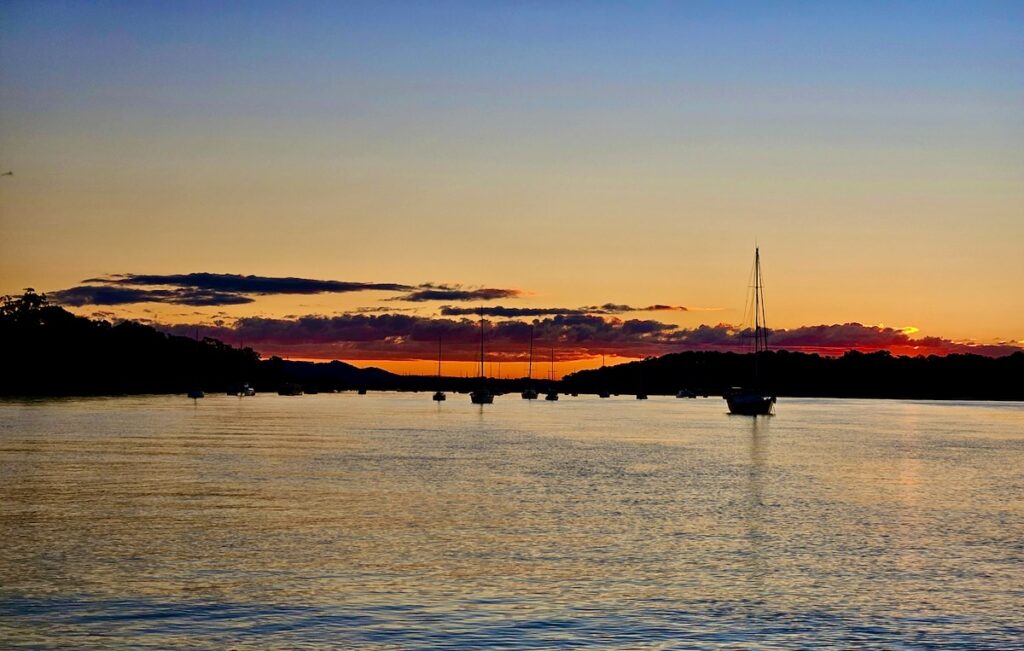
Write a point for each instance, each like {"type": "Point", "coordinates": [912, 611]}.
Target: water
{"type": "Point", "coordinates": [388, 521]}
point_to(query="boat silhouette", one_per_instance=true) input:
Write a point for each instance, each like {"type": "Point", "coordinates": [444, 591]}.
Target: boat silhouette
{"type": "Point", "coordinates": [754, 401]}
{"type": "Point", "coordinates": [529, 393]}
{"type": "Point", "coordinates": [439, 395]}
{"type": "Point", "coordinates": [481, 396]}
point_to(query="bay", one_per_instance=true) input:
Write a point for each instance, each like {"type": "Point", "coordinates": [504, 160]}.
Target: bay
{"type": "Point", "coordinates": [389, 521]}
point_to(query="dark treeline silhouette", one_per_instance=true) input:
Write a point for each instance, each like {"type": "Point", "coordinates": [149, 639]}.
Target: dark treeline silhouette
{"type": "Point", "coordinates": [47, 351]}
{"type": "Point", "coordinates": [853, 375]}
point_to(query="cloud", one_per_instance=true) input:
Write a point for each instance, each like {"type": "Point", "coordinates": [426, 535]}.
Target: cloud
{"type": "Point", "coordinates": [203, 288]}
{"type": "Point", "coordinates": [107, 295]}
{"type": "Point", "coordinates": [512, 312]}
{"type": "Point", "coordinates": [362, 336]}
{"type": "Point", "coordinates": [237, 283]}
{"type": "Point", "coordinates": [457, 293]}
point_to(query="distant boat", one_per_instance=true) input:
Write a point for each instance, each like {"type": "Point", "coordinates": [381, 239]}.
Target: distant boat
{"type": "Point", "coordinates": [481, 396]}
{"type": "Point", "coordinates": [362, 392]}
{"type": "Point", "coordinates": [641, 396]}
{"type": "Point", "coordinates": [686, 393]}
{"type": "Point", "coordinates": [289, 389]}
{"type": "Point", "coordinates": [529, 393]}
{"type": "Point", "coordinates": [242, 391]}
{"type": "Point", "coordinates": [552, 394]}
{"type": "Point", "coordinates": [439, 395]}
{"type": "Point", "coordinates": [754, 401]}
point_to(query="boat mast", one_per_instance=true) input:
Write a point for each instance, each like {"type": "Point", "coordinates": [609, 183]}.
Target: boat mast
{"type": "Point", "coordinates": [439, 358]}
{"type": "Point", "coordinates": [481, 343]}
{"type": "Point", "coordinates": [757, 310]}
{"type": "Point", "coordinates": [529, 366]}
{"type": "Point", "coordinates": [551, 373]}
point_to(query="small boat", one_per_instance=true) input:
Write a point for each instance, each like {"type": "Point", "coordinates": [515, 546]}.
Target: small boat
{"type": "Point", "coordinates": [242, 391]}
{"type": "Point", "coordinates": [439, 395]}
{"type": "Point", "coordinates": [362, 392]}
{"type": "Point", "coordinates": [604, 394]}
{"type": "Point", "coordinates": [529, 393]}
{"type": "Point", "coordinates": [754, 401]}
{"type": "Point", "coordinates": [641, 396]}
{"type": "Point", "coordinates": [481, 396]}
{"type": "Point", "coordinates": [686, 393]}
{"type": "Point", "coordinates": [289, 389]}
{"type": "Point", "coordinates": [746, 402]}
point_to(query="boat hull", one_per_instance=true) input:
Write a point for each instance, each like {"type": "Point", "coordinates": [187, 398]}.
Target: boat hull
{"type": "Point", "coordinates": [481, 397]}
{"type": "Point", "coordinates": [750, 404]}
{"type": "Point", "coordinates": [439, 396]}
{"type": "Point", "coordinates": [529, 394]}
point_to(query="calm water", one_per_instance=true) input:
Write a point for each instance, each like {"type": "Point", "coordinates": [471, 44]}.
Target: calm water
{"type": "Point", "coordinates": [387, 521]}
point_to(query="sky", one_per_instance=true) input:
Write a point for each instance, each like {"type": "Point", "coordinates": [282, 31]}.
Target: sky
{"type": "Point", "coordinates": [567, 155]}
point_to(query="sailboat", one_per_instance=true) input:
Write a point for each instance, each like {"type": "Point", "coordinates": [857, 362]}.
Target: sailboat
{"type": "Point", "coordinates": [439, 395]}
{"type": "Point", "coordinates": [754, 401]}
{"type": "Point", "coordinates": [529, 393]}
{"type": "Point", "coordinates": [552, 394]}
{"type": "Point", "coordinates": [481, 396]}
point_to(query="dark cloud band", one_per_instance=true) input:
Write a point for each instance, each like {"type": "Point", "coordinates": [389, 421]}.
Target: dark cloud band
{"type": "Point", "coordinates": [573, 337]}
{"type": "Point", "coordinates": [109, 295]}
{"type": "Point", "coordinates": [240, 284]}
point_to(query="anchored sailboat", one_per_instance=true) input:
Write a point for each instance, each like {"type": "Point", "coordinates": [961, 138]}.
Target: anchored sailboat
{"type": "Point", "coordinates": [529, 393]}
{"type": "Point", "coordinates": [754, 401]}
{"type": "Point", "coordinates": [439, 395]}
{"type": "Point", "coordinates": [481, 396]}
{"type": "Point", "coordinates": [552, 394]}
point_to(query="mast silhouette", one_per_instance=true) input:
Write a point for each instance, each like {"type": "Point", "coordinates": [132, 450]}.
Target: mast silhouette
{"type": "Point", "coordinates": [481, 396]}
{"type": "Point", "coordinates": [439, 394]}
{"type": "Point", "coordinates": [552, 393]}
{"type": "Point", "coordinates": [529, 393]}
{"type": "Point", "coordinates": [755, 401]}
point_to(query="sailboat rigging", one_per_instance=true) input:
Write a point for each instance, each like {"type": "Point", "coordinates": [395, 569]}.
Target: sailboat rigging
{"type": "Point", "coordinates": [439, 394]}
{"type": "Point", "coordinates": [481, 396]}
{"type": "Point", "coordinates": [529, 393]}
{"type": "Point", "coordinates": [754, 401]}
{"type": "Point", "coordinates": [552, 393]}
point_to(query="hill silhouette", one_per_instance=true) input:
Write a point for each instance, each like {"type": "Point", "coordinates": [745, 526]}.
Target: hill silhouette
{"type": "Point", "coordinates": [48, 351]}
{"type": "Point", "coordinates": [852, 375]}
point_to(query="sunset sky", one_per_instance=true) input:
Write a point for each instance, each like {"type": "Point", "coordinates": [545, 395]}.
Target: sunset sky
{"type": "Point", "coordinates": [586, 161]}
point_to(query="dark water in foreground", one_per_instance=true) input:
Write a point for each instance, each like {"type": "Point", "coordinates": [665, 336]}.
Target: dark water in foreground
{"type": "Point", "coordinates": [386, 521]}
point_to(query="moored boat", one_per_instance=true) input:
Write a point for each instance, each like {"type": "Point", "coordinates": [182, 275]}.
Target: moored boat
{"type": "Point", "coordinates": [482, 395]}
{"type": "Point", "coordinates": [529, 393]}
{"type": "Point", "coordinates": [439, 395]}
{"type": "Point", "coordinates": [754, 400]}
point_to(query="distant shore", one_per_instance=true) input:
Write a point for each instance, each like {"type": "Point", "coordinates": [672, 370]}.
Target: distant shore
{"type": "Point", "coordinates": [48, 351]}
